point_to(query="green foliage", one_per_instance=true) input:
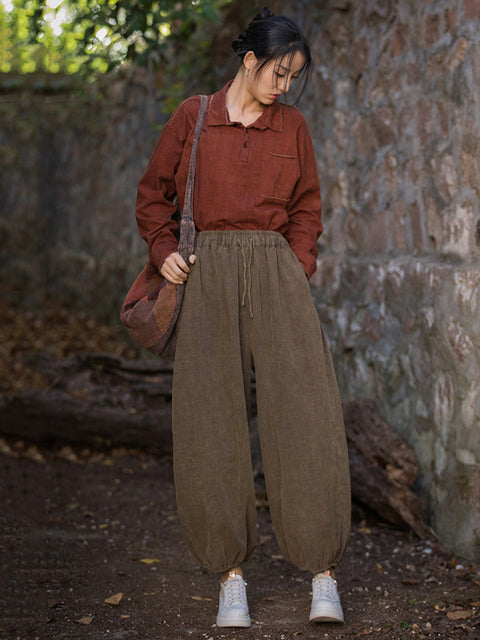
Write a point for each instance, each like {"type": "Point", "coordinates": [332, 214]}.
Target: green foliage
{"type": "Point", "coordinates": [94, 36]}
{"type": "Point", "coordinates": [25, 49]}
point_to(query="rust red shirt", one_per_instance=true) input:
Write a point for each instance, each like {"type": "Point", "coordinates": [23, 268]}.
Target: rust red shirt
{"type": "Point", "coordinates": [263, 176]}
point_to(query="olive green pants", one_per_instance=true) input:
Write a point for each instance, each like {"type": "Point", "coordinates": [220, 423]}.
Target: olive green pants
{"type": "Point", "coordinates": [247, 306]}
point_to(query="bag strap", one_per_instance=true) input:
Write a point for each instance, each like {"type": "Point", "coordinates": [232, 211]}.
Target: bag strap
{"type": "Point", "coordinates": [187, 226]}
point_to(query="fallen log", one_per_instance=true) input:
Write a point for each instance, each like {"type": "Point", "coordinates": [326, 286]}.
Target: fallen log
{"type": "Point", "coordinates": [95, 371]}
{"type": "Point", "coordinates": [97, 400]}
{"type": "Point", "coordinates": [383, 467]}
{"type": "Point", "coordinates": [54, 417]}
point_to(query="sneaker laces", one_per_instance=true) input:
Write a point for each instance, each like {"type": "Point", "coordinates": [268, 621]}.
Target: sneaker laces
{"type": "Point", "coordinates": [235, 591]}
{"type": "Point", "coordinates": [324, 586]}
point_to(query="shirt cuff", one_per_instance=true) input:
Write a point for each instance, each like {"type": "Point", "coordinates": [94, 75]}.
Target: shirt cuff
{"type": "Point", "coordinates": [309, 265]}
{"type": "Point", "coordinates": [159, 254]}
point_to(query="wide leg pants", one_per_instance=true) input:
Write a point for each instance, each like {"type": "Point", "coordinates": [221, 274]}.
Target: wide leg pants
{"type": "Point", "coordinates": [248, 305]}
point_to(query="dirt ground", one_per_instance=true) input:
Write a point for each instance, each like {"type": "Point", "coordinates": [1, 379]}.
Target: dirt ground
{"type": "Point", "coordinates": [79, 528]}
{"type": "Point", "coordinates": [90, 544]}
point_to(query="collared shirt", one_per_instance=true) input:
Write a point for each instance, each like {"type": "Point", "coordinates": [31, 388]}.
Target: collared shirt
{"type": "Point", "coordinates": [262, 176]}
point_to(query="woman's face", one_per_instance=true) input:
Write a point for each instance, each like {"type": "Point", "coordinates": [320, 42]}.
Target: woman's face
{"type": "Point", "coordinates": [276, 78]}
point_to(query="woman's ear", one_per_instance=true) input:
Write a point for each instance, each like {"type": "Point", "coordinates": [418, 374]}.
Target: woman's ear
{"type": "Point", "coordinates": [250, 61]}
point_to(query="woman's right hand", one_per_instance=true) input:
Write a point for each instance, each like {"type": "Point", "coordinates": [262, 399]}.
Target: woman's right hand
{"type": "Point", "coordinates": [175, 269]}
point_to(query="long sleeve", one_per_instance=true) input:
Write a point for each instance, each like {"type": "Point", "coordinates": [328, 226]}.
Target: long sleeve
{"type": "Point", "coordinates": [159, 186]}
{"type": "Point", "coordinates": [304, 208]}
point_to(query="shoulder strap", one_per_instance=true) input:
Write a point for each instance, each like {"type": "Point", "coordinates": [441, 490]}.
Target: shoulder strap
{"type": "Point", "coordinates": [187, 226]}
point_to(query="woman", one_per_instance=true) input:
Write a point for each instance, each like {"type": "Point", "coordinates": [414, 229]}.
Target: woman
{"type": "Point", "coordinates": [247, 306]}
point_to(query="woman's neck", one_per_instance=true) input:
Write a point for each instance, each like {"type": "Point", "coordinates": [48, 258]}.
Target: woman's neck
{"type": "Point", "coordinates": [242, 106]}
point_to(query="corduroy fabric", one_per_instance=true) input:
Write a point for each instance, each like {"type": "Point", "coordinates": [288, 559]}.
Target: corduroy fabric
{"type": "Point", "coordinates": [248, 305]}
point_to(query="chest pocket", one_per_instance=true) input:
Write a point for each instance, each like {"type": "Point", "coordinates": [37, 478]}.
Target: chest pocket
{"type": "Point", "coordinates": [279, 176]}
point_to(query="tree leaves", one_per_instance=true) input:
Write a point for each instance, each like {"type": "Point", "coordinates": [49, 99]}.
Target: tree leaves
{"type": "Point", "coordinates": [97, 36]}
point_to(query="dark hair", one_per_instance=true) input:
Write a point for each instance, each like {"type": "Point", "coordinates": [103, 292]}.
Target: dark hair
{"type": "Point", "coordinates": [273, 37]}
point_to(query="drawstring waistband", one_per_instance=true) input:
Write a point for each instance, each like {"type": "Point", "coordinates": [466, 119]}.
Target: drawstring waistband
{"type": "Point", "coordinates": [246, 241]}
{"type": "Point", "coordinates": [247, 253]}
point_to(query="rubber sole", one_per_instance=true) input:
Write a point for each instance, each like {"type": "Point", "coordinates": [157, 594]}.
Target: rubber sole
{"type": "Point", "coordinates": [233, 622]}
{"type": "Point", "coordinates": [326, 619]}
{"type": "Point", "coordinates": [325, 614]}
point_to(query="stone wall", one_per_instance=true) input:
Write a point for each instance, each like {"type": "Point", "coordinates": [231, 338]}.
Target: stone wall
{"type": "Point", "coordinates": [394, 111]}
{"type": "Point", "coordinates": [395, 116]}
{"type": "Point", "coordinates": [71, 160]}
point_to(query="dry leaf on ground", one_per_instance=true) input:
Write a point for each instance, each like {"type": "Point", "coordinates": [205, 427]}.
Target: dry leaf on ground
{"type": "Point", "coordinates": [149, 560]}
{"type": "Point", "coordinates": [459, 615]}
{"type": "Point", "coordinates": [115, 599]}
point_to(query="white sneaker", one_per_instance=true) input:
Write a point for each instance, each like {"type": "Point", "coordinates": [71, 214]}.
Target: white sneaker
{"type": "Point", "coordinates": [233, 607]}
{"type": "Point", "coordinates": [326, 605]}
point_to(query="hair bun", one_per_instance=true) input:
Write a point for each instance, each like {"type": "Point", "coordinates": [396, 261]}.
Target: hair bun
{"type": "Point", "coordinates": [238, 45]}
{"type": "Point", "coordinates": [263, 14]}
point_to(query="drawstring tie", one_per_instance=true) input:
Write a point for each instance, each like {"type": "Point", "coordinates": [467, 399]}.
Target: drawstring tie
{"type": "Point", "coordinates": [247, 256]}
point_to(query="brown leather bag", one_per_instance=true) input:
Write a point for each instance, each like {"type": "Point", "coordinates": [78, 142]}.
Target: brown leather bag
{"type": "Point", "coordinates": [151, 308]}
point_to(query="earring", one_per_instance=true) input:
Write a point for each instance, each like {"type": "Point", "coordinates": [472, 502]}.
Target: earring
{"type": "Point", "coordinates": [246, 73]}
